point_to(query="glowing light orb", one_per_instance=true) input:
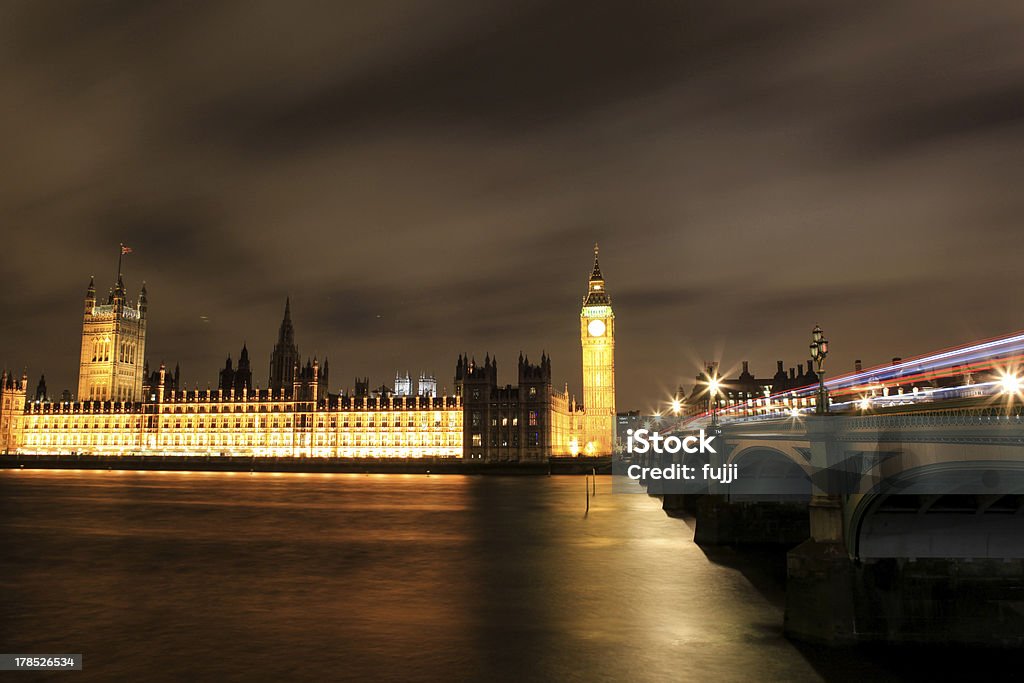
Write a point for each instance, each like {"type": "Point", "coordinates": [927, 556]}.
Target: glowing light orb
{"type": "Point", "coordinates": [1010, 383]}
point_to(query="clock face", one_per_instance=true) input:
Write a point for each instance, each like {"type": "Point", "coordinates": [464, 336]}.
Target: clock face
{"type": "Point", "coordinates": [596, 328]}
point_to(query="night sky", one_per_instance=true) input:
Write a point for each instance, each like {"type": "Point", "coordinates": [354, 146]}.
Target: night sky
{"type": "Point", "coordinates": [425, 178]}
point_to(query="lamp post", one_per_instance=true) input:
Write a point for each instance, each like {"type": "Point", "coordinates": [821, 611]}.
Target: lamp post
{"type": "Point", "coordinates": [712, 401]}
{"type": "Point", "coordinates": [819, 349]}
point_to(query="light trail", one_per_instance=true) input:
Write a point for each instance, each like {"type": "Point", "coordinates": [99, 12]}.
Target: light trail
{"type": "Point", "coordinates": [849, 391]}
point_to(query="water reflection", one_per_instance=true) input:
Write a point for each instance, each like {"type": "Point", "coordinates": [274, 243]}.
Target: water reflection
{"type": "Point", "coordinates": [170, 576]}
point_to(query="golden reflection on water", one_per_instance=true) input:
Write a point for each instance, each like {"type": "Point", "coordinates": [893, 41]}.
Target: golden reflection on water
{"type": "Point", "coordinates": [168, 576]}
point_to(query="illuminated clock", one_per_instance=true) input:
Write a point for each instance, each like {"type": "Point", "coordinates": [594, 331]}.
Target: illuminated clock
{"type": "Point", "coordinates": [596, 328]}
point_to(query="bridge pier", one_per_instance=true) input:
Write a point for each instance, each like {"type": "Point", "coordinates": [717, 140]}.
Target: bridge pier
{"type": "Point", "coordinates": [835, 600]}
{"type": "Point", "coordinates": [940, 600]}
{"type": "Point", "coordinates": [678, 503]}
{"type": "Point", "coordinates": [820, 579]}
{"type": "Point", "coordinates": [724, 522]}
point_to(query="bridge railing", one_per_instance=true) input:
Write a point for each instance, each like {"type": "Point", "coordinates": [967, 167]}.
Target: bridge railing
{"type": "Point", "coordinates": [981, 416]}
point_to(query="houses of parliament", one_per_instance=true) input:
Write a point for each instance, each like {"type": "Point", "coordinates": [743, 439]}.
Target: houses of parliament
{"type": "Point", "coordinates": [123, 408]}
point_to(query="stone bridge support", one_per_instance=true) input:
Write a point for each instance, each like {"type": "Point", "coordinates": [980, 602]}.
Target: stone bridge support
{"type": "Point", "coordinates": [819, 584]}
{"type": "Point", "coordinates": [907, 567]}
{"type": "Point", "coordinates": [720, 521]}
{"type": "Point", "coordinates": [740, 513]}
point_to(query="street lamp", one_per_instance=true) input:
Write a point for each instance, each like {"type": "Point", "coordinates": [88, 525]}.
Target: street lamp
{"type": "Point", "coordinates": [819, 349]}
{"type": "Point", "coordinates": [713, 385]}
{"type": "Point", "coordinates": [1010, 383]}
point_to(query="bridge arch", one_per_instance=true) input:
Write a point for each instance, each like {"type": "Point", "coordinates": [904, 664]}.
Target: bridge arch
{"type": "Point", "coordinates": [951, 510]}
{"type": "Point", "coordinates": [768, 474]}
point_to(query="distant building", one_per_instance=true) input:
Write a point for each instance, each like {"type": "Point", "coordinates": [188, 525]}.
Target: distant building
{"type": "Point", "coordinates": [623, 423]}
{"type": "Point", "coordinates": [522, 423]}
{"type": "Point", "coordinates": [747, 390]}
{"type": "Point", "coordinates": [113, 345]}
{"type": "Point", "coordinates": [427, 385]}
{"type": "Point", "coordinates": [172, 381]}
{"type": "Point", "coordinates": [403, 385]}
{"type": "Point", "coordinates": [285, 363]}
{"type": "Point", "coordinates": [383, 391]}
{"type": "Point", "coordinates": [41, 394]}
{"type": "Point", "coordinates": [284, 360]}
{"type": "Point", "coordinates": [239, 378]}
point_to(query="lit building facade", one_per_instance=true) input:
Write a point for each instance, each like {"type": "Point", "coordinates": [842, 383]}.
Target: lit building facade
{"type": "Point", "coordinates": [748, 394]}
{"type": "Point", "coordinates": [113, 346]}
{"type": "Point", "coordinates": [118, 413]}
{"type": "Point", "coordinates": [597, 336]}
{"type": "Point", "coordinates": [524, 423]}
{"type": "Point", "coordinates": [260, 423]}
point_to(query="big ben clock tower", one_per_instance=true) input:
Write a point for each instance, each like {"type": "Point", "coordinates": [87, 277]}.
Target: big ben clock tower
{"type": "Point", "coordinates": [597, 334]}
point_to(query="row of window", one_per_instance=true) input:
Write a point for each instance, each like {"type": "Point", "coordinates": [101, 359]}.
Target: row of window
{"type": "Point", "coordinates": [230, 440]}
{"type": "Point", "coordinates": [103, 351]}
{"type": "Point", "coordinates": [100, 391]}
{"type": "Point", "coordinates": [533, 419]}
{"type": "Point", "coordinates": [532, 439]}
{"type": "Point", "coordinates": [434, 420]}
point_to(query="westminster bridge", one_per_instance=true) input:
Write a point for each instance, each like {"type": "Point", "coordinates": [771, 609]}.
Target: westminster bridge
{"type": "Point", "coordinates": [904, 525]}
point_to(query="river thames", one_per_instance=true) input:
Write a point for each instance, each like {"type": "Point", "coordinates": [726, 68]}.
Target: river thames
{"type": "Point", "coordinates": [237, 576]}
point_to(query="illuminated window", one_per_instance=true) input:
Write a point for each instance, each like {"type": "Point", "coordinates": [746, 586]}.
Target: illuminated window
{"type": "Point", "coordinates": [533, 418]}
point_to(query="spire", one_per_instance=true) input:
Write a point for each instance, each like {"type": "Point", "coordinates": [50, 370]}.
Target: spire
{"type": "Point", "coordinates": [596, 293]}
{"type": "Point", "coordinates": [596, 275]}
{"type": "Point", "coordinates": [287, 331]}
{"type": "Point", "coordinates": [90, 295]}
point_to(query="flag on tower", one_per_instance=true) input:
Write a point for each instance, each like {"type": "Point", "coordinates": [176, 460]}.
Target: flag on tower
{"type": "Point", "coordinates": [126, 250]}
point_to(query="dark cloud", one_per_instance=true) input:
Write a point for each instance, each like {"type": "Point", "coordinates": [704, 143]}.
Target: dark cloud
{"type": "Point", "coordinates": [942, 122]}
{"type": "Point", "coordinates": [426, 180]}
